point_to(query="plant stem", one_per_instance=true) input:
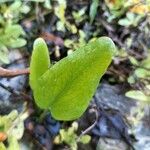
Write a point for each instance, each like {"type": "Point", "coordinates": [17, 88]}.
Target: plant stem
{"type": "Point", "coordinates": [43, 114]}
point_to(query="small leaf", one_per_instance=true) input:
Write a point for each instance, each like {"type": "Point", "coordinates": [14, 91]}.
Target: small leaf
{"type": "Point", "coordinates": [40, 62]}
{"type": "Point", "coordinates": [18, 131]}
{"type": "Point", "coordinates": [79, 15]}
{"type": "Point", "coordinates": [11, 37]}
{"type": "Point", "coordinates": [85, 139]}
{"type": "Point", "coordinates": [131, 79]}
{"type": "Point", "coordinates": [146, 62]}
{"type": "Point", "coordinates": [13, 144]}
{"type": "Point", "coordinates": [137, 95]}
{"type": "Point", "coordinates": [125, 22]}
{"type": "Point", "coordinates": [60, 26]}
{"type": "Point", "coordinates": [142, 73]}
{"type": "Point", "coordinates": [24, 9]}
{"type": "Point", "coordinates": [71, 27]}
{"type": "Point", "coordinates": [47, 4]}
{"type": "Point", "coordinates": [130, 16]}
{"type": "Point", "coordinates": [16, 43]}
{"type": "Point", "coordinates": [133, 61]}
{"type": "Point", "coordinates": [14, 30]}
{"type": "Point", "coordinates": [93, 9]}
{"type": "Point", "coordinates": [4, 54]}
{"type": "Point", "coordinates": [68, 43]}
{"type": "Point", "coordinates": [67, 87]}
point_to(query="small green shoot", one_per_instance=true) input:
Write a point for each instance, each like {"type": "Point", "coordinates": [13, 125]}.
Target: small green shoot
{"type": "Point", "coordinates": [70, 137]}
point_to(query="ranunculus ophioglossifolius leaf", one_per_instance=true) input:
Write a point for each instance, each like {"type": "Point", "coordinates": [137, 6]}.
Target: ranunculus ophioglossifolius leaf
{"type": "Point", "coordinates": [67, 87]}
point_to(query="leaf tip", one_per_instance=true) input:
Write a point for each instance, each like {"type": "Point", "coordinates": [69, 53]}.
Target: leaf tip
{"type": "Point", "coordinates": [38, 41]}
{"type": "Point", "coordinates": [109, 42]}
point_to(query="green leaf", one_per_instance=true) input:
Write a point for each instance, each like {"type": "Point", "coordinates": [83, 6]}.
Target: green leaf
{"type": "Point", "coordinates": [18, 131]}
{"type": "Point", "coordinates": [79, 15]}
{"type": "Point", "coordinates": [67, 87]}
{"type": "Point", "coordinates": [146, 62]}
{"type": "Point", "coordinates": [125, 22]}
{"type": "Point", "coordinates": [131, 79]}
{"type": "Point", "coordinates": [85, 139]}
{"type": "Point", "coordinates": [4, 54]}
{"type": "Point", "coordinates": [68, 43]}
{"type": "Point", "coordinates": [68, 136]}
{"type": "Point", "coordinates": [130, 16]}
{"type": "Point", "coordinates": [142, 73]}
{"type": "Point", "coordinates": [60, 26]}
{"type": "Point", "coordinates": [47, 4]}
{"type": "Point", "coordinates": [40, 62]}
{"type": "Point", "coordinates": [14, 30]}
{"type": "Point", "coordinates": [93, 10]}
{"type": "Point", "coordinates": [138, 95]}
{"type": "Point", "coordinates": [13, 144]}
{"type": "Point", "coordinates": [16, 43]}
{"type": "Point", "coordinates": [7, 120]}
{"type": "Point", "coordinates": [133, 61]}
{"type": "Point", "coordinates": [11, 36]}
{"type": "Point", "coordinates": [15, 6]}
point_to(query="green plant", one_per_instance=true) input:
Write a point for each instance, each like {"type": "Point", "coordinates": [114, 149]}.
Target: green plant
{"type": "Point", "coordinates": [142, 75]}
{"type": "Point", "coordinates": [10, 38]}
{"type": "Point", "coordinates": [79, 15]}
{"type": "Point", "coordinates": [12, 129]}
{"type": "Point", "coordinates": [66, 87]}
{"type": "Point", "coordinates": [131, 19]}
{"type": "Point", "coordinates": [70, 137]}
{"type": "Point", "coordinates": [116, 8]}
{"type": "Point", "coordinates": [63, 24]}
{"type": "Point", "coordinates": [135, 10]}
{"type": "Point", "coordinates": [73, 44]}
{"type": "Point", "coordinates": [10, 31]}
{"type": "Point", "coordinates": [139, 95]}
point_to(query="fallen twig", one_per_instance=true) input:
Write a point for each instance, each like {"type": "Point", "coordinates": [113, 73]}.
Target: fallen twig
{"type": "Point", "coordinates": [90, 127]}
{"type": "Point", "coordinates": [17, 93]}
{"type": "Point", "coordinates": [13, 73]}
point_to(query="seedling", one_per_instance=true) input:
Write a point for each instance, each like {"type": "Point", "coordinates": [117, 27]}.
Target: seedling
{"type": "Point", "coordinates": [70, 137]}
{"type": "Point", "coordinates": [67, 87]}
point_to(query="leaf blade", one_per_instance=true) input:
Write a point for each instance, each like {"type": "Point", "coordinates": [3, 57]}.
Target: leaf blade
{"type": "Point", "coordinates": [68, 86]}
{"type": "Point", "coordinates": [40, 62]}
